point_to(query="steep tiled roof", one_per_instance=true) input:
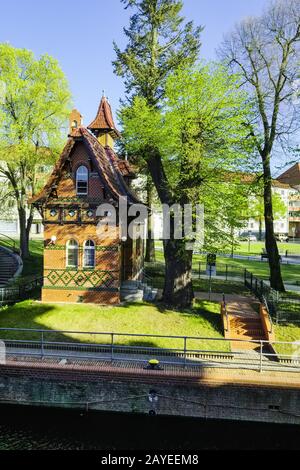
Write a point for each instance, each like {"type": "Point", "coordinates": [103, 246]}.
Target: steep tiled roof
{"type": "Point", "coordinates": [104, 119]}
{"type": "Point", "coordinates": [291, 176]}
{"type": "Point", "coordinates": [124, 166]}
{"type": "Point", "coordinates": [105, 164]}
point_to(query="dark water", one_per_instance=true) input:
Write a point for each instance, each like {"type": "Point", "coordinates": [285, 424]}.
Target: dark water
{"type": "Point", "coordinates": [23, 428]}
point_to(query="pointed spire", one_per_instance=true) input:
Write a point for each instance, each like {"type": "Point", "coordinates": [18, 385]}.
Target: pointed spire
{"type": "Point", "coordinates": [104, 122]}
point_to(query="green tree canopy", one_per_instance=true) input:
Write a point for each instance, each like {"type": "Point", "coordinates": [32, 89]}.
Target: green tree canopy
{"type": "Point", "coordinates": [200, 135]}
{"type": "Point", "coordinates": [34, 105]}
{"type": "Point", "coordinates": [158, 44]}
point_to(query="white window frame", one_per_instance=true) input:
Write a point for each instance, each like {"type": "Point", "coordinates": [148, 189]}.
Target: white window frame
{"type": "Point", "coordinates": [91, 248]}
{"type": "Point", "coordinates": [82, 178]}
{"type": "Point", "coordinates": [74, 246]}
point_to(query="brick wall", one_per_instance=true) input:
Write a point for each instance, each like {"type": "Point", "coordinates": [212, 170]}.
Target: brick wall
{"type": "Point", "coordinates": [67, 188]}
{"type": "Point", "coordinates": [127, 392]}
{"type": "Point", "coordinates": [63, 284]}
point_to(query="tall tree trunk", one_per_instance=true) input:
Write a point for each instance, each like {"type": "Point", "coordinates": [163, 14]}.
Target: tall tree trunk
{"type": "Point", "coordinates": [271, 244]}
{"type": "Point", "coordinates": [178, 288]}
{"type": "Point", "coordinates": [260, 229]}
{"type": "Point", "coordinates": [24, 239]}
{"type": "Point", "coordinates": [150, 243]}
{"type": "Point", "coordinates": [25, 227]}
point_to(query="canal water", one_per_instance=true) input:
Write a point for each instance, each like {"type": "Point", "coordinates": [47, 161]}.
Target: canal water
{"type": "Point", "coordinates": [26, 428]}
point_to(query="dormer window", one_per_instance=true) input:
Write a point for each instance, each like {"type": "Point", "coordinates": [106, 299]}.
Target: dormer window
{"type": "Point", "coordinates": [82, 176]}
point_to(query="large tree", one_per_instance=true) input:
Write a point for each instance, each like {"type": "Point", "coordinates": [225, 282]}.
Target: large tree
{"type": "Point", "coordinates": [265, 50]}
{"type": "Point", "coordinates": [33, 108]}
{"type": "Point", "coordinates": [158, 44]}
{"type": "Point", "coordinates": [189, 145]}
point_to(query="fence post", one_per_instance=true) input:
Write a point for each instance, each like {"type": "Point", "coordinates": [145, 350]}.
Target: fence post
{"type": "Point", "coordinates": [42, 345]}
{"type": "Point", "coordinates": [245, 277]}
{"type": "Point", "coordinates": [251, 280]}
{"type": "Point", "coordinates": [209, 289]}
{"type": "Point", "coordinates": [112, 347]}
{"type": "Point", "coordinates": [185, 339]}
{"type": "Point", "coordinates": [261, 356]}
{"type": "Point", "coordinates": [226, 272]}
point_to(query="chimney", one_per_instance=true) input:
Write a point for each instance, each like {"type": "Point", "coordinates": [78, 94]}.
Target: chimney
{"type": "Point", "coordinates": [75, 120]}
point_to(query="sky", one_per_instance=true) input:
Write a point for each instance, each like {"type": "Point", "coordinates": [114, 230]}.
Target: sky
{"type": "Point", "coordinates": [80, 36]}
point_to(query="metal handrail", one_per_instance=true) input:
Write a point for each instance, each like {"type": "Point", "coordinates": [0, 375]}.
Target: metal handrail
{"type": "Point", "coordinates": [264, 300]}
{"type": "Point", "coordinates": [181, 355]}
{"type": "Point", "coordinates": [13, 293]}
{"type": "Point", "coordinates": [226, 312]}
{"type": "Point", "coordinates": [2, 235]}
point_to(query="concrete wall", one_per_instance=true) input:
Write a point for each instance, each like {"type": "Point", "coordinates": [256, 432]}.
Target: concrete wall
{"type": "Point", "coordinates": [120, 392]}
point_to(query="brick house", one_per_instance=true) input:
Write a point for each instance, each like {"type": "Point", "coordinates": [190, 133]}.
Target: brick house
{"type": "Point", "coordinates": [80, 265]}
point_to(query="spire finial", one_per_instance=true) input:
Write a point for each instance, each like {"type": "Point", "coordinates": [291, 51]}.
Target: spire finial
{"type": "Point", "coordinates": [103, 93]}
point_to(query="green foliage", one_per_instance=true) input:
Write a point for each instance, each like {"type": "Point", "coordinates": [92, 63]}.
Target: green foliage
{"type": "Point", "coordinates": [36, 100]}
{"type": "Point", "coordinates": [158, 43]}
{"type": "Point", "coordinates": [256, 209]}
{"type": "Point", "coordinates": [34, 105]}
{"type": "Point", "coordinates": [200, 134]}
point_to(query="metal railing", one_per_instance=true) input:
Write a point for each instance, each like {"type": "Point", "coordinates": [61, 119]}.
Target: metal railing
{"type": "Point", "coordinates": [226, 311]}
{"type": "Point", "coordinates": [184, 351]}
{"type": "Point", "coordinates": [9, 242]}
{"type": "Point", "coordinates": [282, 308]}
{"type": "Point", "coordinates": [265, 303]}
{"type": "Point", "coordinates": [20, 290]}
{"type": "Point", "coordinates": [223, 271]}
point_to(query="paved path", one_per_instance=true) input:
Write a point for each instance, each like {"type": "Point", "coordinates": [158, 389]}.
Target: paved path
{"type": "Point", "coordinates": [289, 287]}
{"type": "Point", "coordinates": [202, 375]}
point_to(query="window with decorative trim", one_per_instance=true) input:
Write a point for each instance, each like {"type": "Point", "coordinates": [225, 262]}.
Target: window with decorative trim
{"type": "Point", "coordinates": [89, 254]}
{"type": "Point", "coordinates": [82, 176]}
{"type": "Point", "coordinates": [72, 254]}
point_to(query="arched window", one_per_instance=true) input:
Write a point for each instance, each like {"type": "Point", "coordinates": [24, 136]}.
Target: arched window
{"type": "Point", "coordinates": [89, 254]}
{"type": "Point", "coordinates": [74, 124]}
{"type": "Point", "coordinates": [72, 254]}
{"type": "Point", "coordinates": [82, 176]}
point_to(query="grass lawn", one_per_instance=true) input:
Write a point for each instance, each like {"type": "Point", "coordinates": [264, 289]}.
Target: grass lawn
{"type": "Point", "coordinates": [291, 333]}
{"type": "Point", "coordinates": [256, 248]}
{"type": "Point", "coordinates": [33, 265]}
{"type": "Point", "coordinates": [291, 273]}
{"type": "Point", "coordinates": [203, 320]}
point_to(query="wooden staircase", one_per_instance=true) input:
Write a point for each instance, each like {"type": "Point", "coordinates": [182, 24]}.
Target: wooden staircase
{"type": "Point", "coordinates": [243, 323]}
{"type": "Point", "coordinates": [246, 328]}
